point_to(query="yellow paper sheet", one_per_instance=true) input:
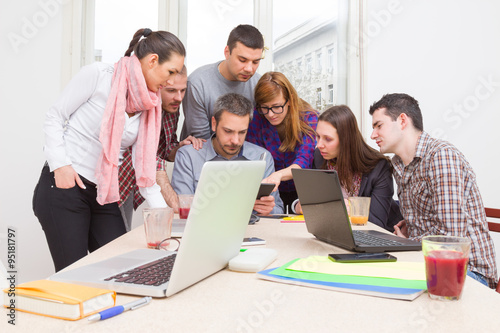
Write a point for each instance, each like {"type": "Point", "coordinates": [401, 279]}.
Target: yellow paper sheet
{"type": "Point", "coordinates": [294, 218]}
{"type": "Point", "coordinates": [394, 270]}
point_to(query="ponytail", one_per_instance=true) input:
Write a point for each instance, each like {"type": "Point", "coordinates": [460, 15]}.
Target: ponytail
{"type": "Point", "coordinates": [162, 43]}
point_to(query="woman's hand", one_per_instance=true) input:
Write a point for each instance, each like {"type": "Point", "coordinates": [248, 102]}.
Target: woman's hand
{"type": "Point", "coordinates": [66, 177]}
{"type": "Point", "coordinates": [274, 178]}
{"type": "Point", "coordinates": [298, 208]}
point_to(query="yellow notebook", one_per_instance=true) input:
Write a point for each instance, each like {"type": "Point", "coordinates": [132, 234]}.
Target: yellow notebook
{"type": "Point", "coordinates": [58, 299]}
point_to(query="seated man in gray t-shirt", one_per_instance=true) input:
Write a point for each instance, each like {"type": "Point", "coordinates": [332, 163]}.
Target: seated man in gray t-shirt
{"type": "Point", "coordinates": [235, 74]}
{"type": "Point", "coordinates": [232, 115]}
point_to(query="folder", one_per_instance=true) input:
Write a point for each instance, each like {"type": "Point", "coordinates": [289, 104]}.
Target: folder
{"type": "Point", "coordinates": [58, 299]}
{"type": "Point", "coordinates": [403, 289]}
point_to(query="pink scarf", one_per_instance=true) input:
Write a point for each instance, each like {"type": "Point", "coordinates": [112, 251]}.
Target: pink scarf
{"type": "Point", "coordinates": [129, 93]}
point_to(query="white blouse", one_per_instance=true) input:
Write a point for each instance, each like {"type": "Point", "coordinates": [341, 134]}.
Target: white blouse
{"type": "Point", "coordinates": [73, 125]}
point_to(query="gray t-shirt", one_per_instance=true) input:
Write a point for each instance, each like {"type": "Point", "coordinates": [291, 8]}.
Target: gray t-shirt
{"type": "Point", "coordinates": [204, 86]}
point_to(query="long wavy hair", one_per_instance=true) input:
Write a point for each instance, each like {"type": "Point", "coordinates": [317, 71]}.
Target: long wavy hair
{"type": "Point", "coordinates": [355, 155]}
{"type": "Point", "coordinates": [271, 85]}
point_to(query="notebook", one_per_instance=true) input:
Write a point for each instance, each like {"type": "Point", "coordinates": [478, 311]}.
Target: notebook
{"type": "Point", "coordinates": [212, 236]}
{"type": "Point", "coordinates": [327, 219]}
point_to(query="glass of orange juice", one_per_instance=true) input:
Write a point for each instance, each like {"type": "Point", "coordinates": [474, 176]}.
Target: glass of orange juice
{"type": "Point", "coordinates": [359, 209]}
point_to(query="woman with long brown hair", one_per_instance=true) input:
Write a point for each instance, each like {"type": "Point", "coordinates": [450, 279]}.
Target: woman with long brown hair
{"type": "Point", "coordinates": [284, 124]}
{"type": "Point", "coordinates": [362, 170]}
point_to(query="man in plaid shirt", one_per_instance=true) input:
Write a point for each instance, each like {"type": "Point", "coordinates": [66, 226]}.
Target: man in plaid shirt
{"type": "Point", "coordinates": [130, 198]}
{"type": "Point", "coordinates": [437, 187]}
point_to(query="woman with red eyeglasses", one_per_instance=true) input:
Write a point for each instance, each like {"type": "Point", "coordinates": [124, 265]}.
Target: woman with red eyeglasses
{"type": "Point", "coordinates": [285, 125]}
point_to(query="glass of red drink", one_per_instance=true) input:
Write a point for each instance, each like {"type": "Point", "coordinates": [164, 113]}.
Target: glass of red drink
{"type": "Point", "coordinates": [158, 225]}
{"type": "Point", "coordinates": [185, 201]}
{"type": "Point", "coordinates": [446, 259]}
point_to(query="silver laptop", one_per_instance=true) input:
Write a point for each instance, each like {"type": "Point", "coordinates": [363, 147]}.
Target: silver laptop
{"type": "Point", "coordinates": [178, 226]}
{"type": "Point", "coordinates": [327, 219]}
{"type": "Point", "coordinates": [213, 233]}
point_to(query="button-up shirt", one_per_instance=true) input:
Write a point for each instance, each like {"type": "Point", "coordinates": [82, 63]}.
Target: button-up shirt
{"type": "Point", "coordinates": [168, 141]}
{"type": "Point", "coordinates": [189, 162]}
{"type": "Point", "coordinates": [439, 195]}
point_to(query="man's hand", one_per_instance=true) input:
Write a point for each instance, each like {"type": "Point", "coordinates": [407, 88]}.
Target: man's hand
{"type": "Point", "coordinates": [167, 190]}
{"type": "Point", "coordinates": [264, 205]}
{"type": "Point", "coordinates": [66, 177]}
{"type": "Point", "coordinates": [401, 229]}
{"type": "Point", "coordinates": [191, 140]}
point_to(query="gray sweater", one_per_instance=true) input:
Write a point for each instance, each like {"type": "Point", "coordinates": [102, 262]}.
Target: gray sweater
{"type": "Point", "coordinates": [205, 85]}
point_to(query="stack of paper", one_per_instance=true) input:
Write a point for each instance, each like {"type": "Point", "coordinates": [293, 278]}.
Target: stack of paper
{"type": "Point", "coordinates": [400, 280]}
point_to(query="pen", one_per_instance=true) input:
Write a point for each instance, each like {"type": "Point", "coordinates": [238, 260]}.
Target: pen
{"type": "Point", "coordinates": [116, 310]}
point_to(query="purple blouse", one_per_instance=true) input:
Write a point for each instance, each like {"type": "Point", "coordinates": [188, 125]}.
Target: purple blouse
{"type": "Point", "coordinates": [262, 133]}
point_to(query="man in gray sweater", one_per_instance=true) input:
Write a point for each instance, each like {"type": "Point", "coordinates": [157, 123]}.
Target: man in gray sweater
{"type": "Point", "coordinates": [235, 74]}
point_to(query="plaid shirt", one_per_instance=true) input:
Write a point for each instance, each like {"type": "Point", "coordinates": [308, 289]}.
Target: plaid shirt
{"type": "Point", "coordinates": [168, 141]}
{"type": "Point", "coordinates": [262, 133]}
{"type": "Point", "coordinates": [439, 196]}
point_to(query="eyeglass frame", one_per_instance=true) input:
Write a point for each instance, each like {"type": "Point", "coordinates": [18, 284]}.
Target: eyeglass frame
{"type": "Point", "coordinates": [271, 108]}
{"type": "Point", "coordinates": [162, 245]}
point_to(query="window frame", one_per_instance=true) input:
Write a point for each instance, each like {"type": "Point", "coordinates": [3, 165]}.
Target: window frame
{"type": "Point", "coordinates": [78, 37]}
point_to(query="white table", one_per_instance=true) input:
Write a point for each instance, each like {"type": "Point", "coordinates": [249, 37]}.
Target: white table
{"type": "Point", "coordinates": [231, 302]}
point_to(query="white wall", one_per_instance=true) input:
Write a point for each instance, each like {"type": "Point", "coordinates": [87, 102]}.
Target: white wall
{"type": "Point", "coordinates": [443, 53]}
{"type": "Point", "coordinates": [29, 84]}
{"type": "Point", "coordinates": [446, 54]}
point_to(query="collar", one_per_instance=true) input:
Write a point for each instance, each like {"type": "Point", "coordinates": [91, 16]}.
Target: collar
{"type": "Point", "coordinates": [422, 141]}
{"type": "Point", "coordinates": [420, 151]}
{"type": "Point", "coordinates": [212, 155]}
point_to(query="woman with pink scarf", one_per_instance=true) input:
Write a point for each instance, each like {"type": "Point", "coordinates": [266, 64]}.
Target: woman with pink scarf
{"type": "Point", "coordinates": [103, 110]}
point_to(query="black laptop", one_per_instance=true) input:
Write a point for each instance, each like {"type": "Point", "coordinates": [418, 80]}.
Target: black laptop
{"type": "Point", "coordinates": [327, 219]}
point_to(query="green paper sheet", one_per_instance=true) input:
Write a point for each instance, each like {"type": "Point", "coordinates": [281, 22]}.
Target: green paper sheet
{"type": "Point", "coordinates": [394, 270]}
{"type": "Point", "coordinates": [372, 281]}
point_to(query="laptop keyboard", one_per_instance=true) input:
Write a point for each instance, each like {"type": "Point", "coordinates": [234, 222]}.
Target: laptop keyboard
{"type": "Point", "coordinates": [154, 273]}
{"type": "Point", "coordinates": [368, 239]}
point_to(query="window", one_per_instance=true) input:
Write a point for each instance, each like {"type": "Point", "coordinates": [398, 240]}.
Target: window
{"type": "Point", "coordinates": [330, 58]}
{"type": "Point", "coordinates": [116, 21]}
{"type": "Point", "coordinates": [299, 65]}
{"type": "Point", "coordinates": [296, 34]}
{"type": "Point", "coordinates": [319, 99]}
{"type": "Point", "coordinates": [304, 31]}
{"type": "Point", "coordinates": [308, 64]}
{"type": "Point", "coordinates": [330, 93]}
{"type": "Point", "coordinates": [319, 60]}
{"type": "Point", "coordinates": [208, 26]}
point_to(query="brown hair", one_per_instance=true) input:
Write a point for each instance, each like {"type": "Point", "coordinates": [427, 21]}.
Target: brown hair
{"type": "Point", "coordinates": [162, 43]}
{"type": "Point", "coordinates": [355, 155]}
{"type": "Point", "coordinates": [271, 85]}
{"type": "Point", "coordinates": [247, 35]}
